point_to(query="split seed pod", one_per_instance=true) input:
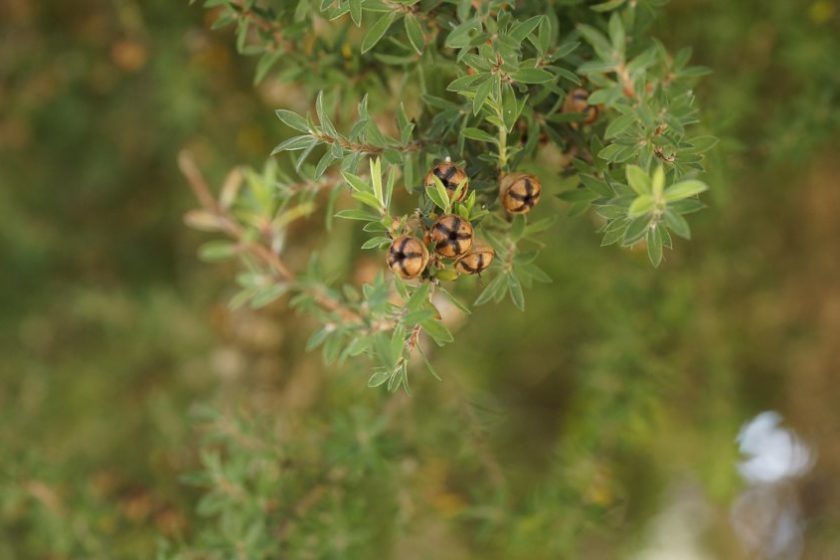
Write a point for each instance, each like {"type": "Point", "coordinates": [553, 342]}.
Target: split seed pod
{"type": "Point", "coordinates": [452, 236]}
{"type": "Point", "coordinates": [577, 101]}
{"type": "Point", "coordinates": [519, 192]}
{"type": "Point", "coordinates": [451, 176]}
{"type": "Point", "coordinates": [407, 257]}
{"type": "Point", "coordinates": [476, 261]}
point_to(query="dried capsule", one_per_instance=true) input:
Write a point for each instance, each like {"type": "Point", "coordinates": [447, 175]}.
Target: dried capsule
{"type": "Point", "coordinates": [520, 192]}
{"type": "Point", "coordinates": [407, 257]}
{"type": "Point", "coordinates": [476, 261]}
{"type": "Point", "coordinates": [452, 236]}
{"type": "Point", "coordinates": [451, 176]}
{"type": "Point", "coordinates": [577, 101]}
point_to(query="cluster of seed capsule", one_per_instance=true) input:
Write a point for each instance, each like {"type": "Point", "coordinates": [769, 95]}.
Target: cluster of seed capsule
{"type": "Point", "coordinates": [451, 236]}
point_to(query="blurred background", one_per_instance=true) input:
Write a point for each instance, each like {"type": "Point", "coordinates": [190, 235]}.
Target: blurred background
{"type": "Point", "coordinates": [112, 333]}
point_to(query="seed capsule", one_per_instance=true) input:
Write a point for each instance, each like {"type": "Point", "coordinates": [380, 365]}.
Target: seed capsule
{"type": "Point", "coordinates": [407, 257]}
{"type": "Point", "coordinates": [451, 176]}
{"type": "Point", "coordinates": [577, 101]}
{"type": "Point", "coordinates": [476, 261]}
{"type": "Point", "coordinates": [452, 236]}
{"type": "Point", "coordinates": [520, 192]}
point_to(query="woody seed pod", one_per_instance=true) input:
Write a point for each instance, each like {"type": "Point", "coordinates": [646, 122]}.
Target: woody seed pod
{"type": "Point", "coordinates": [451, 235]}
{"type": "Point", "coordinates": [407, 257]}
{"type": "Point", "coordinates": [476, 261]}
{"type": "Point", "coordinates": [519, 192]}
{"type": "Point", "coordinates": [577, 101]}
{"type": "Point", "coordinates": [451, 176]}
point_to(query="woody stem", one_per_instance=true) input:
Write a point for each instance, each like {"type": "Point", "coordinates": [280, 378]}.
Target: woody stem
{"type": "Point", "coordinates": [502, 146]}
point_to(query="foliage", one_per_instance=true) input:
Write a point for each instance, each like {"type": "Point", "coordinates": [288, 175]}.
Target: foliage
{"type": "Point", "coordinates": [579, 429]}
{"type": "Point", "coordinates": [490, 86]}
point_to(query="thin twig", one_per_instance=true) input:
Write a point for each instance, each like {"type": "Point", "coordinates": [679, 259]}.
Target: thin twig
{"type": "Point", "coordinates": [204, 195]}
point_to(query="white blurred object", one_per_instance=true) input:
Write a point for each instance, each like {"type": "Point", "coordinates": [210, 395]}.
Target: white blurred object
{"type": "Point", "coordinates": [766, 516]}
{"type": "Point", "coordinates": [774, 453]}
{"type": "Point", "coordinates": [767, 520]}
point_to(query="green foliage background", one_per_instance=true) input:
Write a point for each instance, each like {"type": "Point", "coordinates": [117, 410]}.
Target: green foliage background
{"type": "Point", "coordinates": [617, 385]}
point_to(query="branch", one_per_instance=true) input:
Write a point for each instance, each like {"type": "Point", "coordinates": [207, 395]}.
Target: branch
{"type": "Point", "coordinates": [226, 222]}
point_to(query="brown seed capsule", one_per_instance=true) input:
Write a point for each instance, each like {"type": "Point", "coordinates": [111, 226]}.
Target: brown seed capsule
{"type": "Point", "coordinates": [452, 236]}
{"type": "Point", "coordinates": [476, 261]}
{"type": "Point", "coordinates": [451, 176]}
{"type": "Point", "coordinates": [407, 257]}
{"type": "Point", "coordinates": [519, 192]}
{"type": "Point", "coordinates": [577, 101]}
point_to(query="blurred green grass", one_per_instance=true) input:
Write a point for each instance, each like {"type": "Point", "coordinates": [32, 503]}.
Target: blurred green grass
{"type": "Point", "coordinates": [111, 331]}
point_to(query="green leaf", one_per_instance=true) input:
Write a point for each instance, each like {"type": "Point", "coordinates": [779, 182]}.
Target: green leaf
{"type": "Point", "coordinates": [540, 225]}
{"type": "Point", "coordinates": [494, 288]}
{"type": "Point", "coordinates": [685, 189]}
{"type": "Point", "coordinates": [439, 196]}
{"type": "Point", "coordinates": [686, 206]}
{"type": "Point", "coordinates": [515, 288]}
{"type": "Point", "coordinates": [510, 107]}
{"type": "Point", "coordinates": [356, 183]}
{"type": "Point", "coordinates": [614, 233]}
{"type": "Point", "coordinates": [619, 125]}
{"type": "Point", "coordinates": [438, 331]}
{"type": "Point", "coordinates": [478, 134]}
{"type": "Point", "coordinates": [323, 116]}
{"type": "Point", "coordinates": [326, 160]}
{"type": "Point", "coordinates": [658, 181]}
{"type": "Point", "coordinates": [367, 198]}
{"type": "Point", "coordinates": [376, 242]}
{"type": "Point", "coordinates": [607, 6]}
{"type": "Point", "coordinates": [268, 295]}
{"type": "Point", "coordinates": [460, 36]}
{"type": "Point", "coordinates": [535, 272]}
{"type": "Point", "coordinates": [455, 301]}
{"type": "Point", "coordinates": [214, 251]}
{"type": "Point", "coordinates": [638, 180]}
{"type": "Point", "coordinates": [481, 93]}
{"type": "Point", "coordinates": [641, 206]}
{"type": "Point", "coordinates": [389, 186]}
{"type": "Point", "coordinates": [414, 33]}
{"type": "Point", "coordinates": [521, 30]}
{"type": "Point", "coordinates": [419, 298]}
{"type": "Point", "coordinates": [377, 31]}
{"type": "Point", "coordinates": [379, 377]}
{"type": "Point", "coordinates": [532, 76]}
{"type": "Point", "coordinates": [317, 338]}
{"type": "Point", "coordinates": [355, 214]}
{"type": "Point", "coordinates": [616, 32]}
{"type": "Point", "coordinates": [636, 229]}
{"type": "Point", "coordinates": [376, 180]}
{"type": "Point", "coordinates": [266, 62]}
{"type": "Point", "coordinates": [429, 365]}
{"type": "Point", "coordinates": [677, 224]}
{"type": "Point", "coordinates": [356, 12]}
{"type": "Point", "coordinates": [294, 143]}
{"type": "Point", "coordinates": [654, 245]}
{"type": "Point", "coordinates": [464, 83]}
{"type": "Point", "coordinates": [596, 39]}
